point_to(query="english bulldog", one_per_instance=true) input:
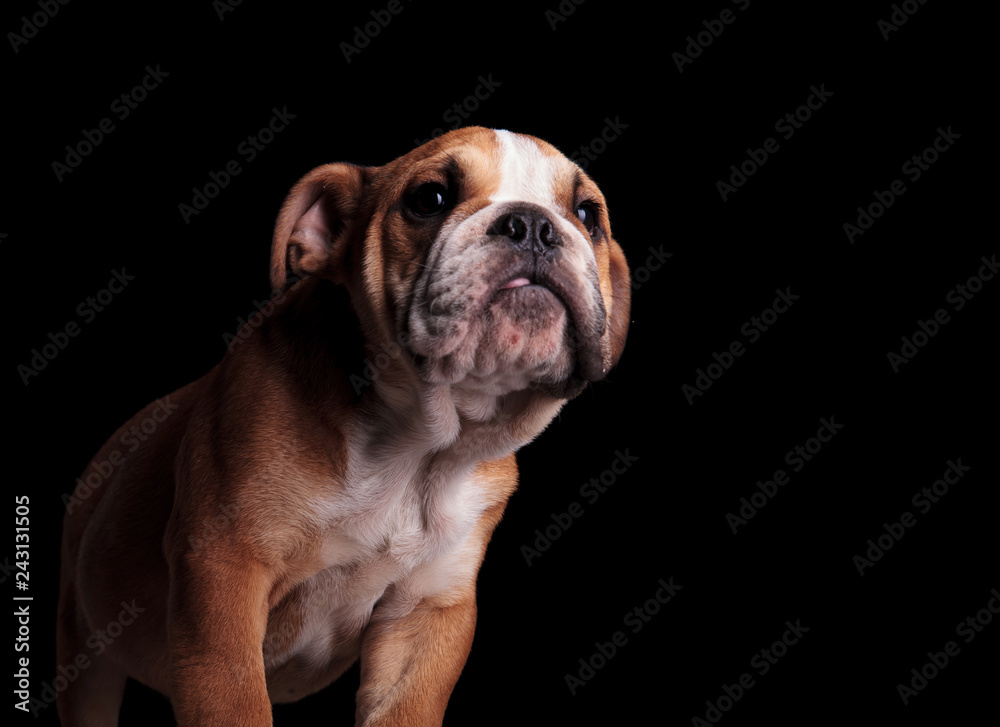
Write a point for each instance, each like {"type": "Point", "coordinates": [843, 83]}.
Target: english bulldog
{"type": "Point", "coordinates": [326, 493]}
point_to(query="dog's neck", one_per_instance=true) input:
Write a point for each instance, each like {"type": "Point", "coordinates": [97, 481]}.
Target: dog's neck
{"type": "Point", "coordinates": [313, 333]}
{"type": "Point", "coordinates": [469, 426]}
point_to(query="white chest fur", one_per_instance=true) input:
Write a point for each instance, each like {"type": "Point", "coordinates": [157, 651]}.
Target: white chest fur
{"type": "Point", "coordinates": [397, 529]}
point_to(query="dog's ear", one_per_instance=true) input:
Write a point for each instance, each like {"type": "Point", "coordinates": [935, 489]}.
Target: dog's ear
{"type": "Point", "coordinates": [309, 236]}
{"type": "Point", "coordinates": [617, 293]}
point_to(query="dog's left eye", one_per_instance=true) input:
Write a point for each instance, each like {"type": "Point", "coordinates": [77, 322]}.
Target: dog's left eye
{"type": "Point", "coordinates": [588, 216]}
{"type": "Point", "coordinates": [428, 199]}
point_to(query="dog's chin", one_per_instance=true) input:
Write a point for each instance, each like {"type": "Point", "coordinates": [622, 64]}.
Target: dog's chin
{"type": "Point", "coordinates": [523, 338]}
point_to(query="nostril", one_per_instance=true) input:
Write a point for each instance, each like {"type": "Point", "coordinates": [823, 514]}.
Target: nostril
{"type": "Point", "coordinates": [527, 227]}
{"type": "Point", "coordinates": [546, 234]}
{"type": "Point", "coordinates": [515, 228]}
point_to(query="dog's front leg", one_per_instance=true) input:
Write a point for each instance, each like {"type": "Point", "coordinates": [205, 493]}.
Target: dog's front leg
{"type": "Point", "coordinates": [216, 625]}
{"type": "Point", "coordinates": [410, 663]}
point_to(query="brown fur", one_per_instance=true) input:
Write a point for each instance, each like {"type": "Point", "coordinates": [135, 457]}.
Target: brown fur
{"type": "Point", "coordinates": [227, 527]}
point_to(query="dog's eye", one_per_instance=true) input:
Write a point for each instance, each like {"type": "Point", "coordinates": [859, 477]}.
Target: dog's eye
{"type": "Point", "coordinates": [428, 199]}
{"type": "Point", "coordinates": [588, 216]}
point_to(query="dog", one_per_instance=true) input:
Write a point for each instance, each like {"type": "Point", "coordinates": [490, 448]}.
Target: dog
{"type": "Point", "coordinates": [325, 494]}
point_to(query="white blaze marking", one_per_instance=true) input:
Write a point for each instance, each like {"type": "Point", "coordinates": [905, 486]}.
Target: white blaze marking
{"type": "Point", "coordinates": [526, 174]}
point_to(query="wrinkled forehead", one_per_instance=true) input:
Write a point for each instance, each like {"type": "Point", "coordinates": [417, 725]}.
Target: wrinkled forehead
{"type": "Point", "coordinates": [498, 166]}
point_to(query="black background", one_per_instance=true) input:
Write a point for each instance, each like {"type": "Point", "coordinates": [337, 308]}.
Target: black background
{"type": "Point", "coordinates": [665, 517]}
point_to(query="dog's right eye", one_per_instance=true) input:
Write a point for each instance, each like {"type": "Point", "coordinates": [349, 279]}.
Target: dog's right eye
{"type": "Point", "coordinates": [428, 199]}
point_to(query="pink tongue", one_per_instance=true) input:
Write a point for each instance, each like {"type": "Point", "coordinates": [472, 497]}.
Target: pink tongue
{"type": "Point", "coordinates": [516, 283]}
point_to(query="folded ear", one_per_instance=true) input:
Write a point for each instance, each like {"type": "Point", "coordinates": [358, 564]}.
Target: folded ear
{"type": "Point", "coordinates": [617, 294]}
{"type": "Point", "coordinates": [310, 234]}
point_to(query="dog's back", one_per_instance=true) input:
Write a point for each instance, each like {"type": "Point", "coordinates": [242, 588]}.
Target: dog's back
{"type": "Point", "coordinates": [244, 540]}
{"type": "Point", "coordinates": [112, 546]}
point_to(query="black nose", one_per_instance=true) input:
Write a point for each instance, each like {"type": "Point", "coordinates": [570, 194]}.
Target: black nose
{"type": "Point", "coordinates": [527, 228]}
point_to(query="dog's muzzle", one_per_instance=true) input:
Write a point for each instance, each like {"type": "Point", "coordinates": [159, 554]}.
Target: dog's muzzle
{"type": "Point", "coordinates": [510, 302]}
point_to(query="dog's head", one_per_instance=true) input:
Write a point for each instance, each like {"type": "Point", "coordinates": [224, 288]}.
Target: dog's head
{"type": "Point", "coordinates": [486, 255]}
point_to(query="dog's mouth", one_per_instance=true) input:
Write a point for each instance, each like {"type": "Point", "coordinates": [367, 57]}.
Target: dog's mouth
{"type": "Point", "coordinates": [510, 320]}
{"type": "Point", "coordinates": [530, 274]}
{"type": "Point", "coordinates": [515, 283]}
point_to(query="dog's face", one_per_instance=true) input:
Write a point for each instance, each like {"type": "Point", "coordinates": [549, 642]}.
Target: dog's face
{"type": "Point", "coordinates": [488, 255]}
